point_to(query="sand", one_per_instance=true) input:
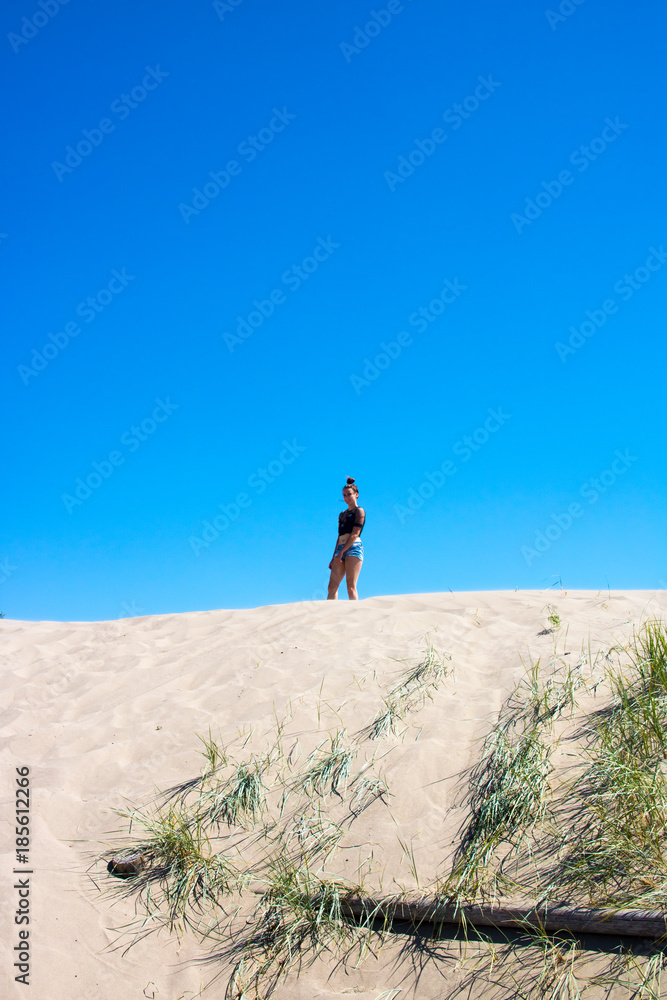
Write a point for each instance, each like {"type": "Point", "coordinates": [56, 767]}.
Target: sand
{"type": "Point", "coordinates": [105, 713]}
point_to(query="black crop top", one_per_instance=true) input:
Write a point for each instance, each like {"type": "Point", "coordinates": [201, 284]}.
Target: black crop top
{"type": "Point", "coordinates": [349, 519]}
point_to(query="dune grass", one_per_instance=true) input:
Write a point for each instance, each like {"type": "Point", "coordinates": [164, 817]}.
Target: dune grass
{"type": "Point", "coordinates": [327, 770]}
{"type": "Point", "coordinates": [279, 811]}
{"type": "Point", "coordinates": [308, 838]}
{"type": "Point", "coordinates": [540, 966]}
{"type": "Point", "coordinates": [214, 753]}
{"type": "Point", "coordinates": [596, 837]}
{"type": "Point", "coordinates": [367, 788]}
{"type": "Point", "coordinates": [615, 850]}
{"type": "Point", "coordinates": [429, 673]}
{"type": "Point", "coordinates": [595, 833]}
{"type": "Point", "coordinates": [553, 617]}
{"type": "Point", "coordinates": [508, 788]}
{"type": "Point", "coordinates": [299, 916]}
{"type": "Point", "coordinates": [182, 876]}
{"type": "Point", "coordinates": [241, 797]}
{"type": "Point", "coordinates": [386, 721]}
{"type": "Point", "coordinates": [413, 689]}
{"type": "Point", "coordinates": [508, 794]}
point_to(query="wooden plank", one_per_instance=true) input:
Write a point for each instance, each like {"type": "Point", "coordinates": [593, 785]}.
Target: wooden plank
{"type": "Point", "coordinates": [556, 917]}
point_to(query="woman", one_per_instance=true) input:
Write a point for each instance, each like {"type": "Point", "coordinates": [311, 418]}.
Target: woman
{"type": "Point", "coordinates": [349, 553]}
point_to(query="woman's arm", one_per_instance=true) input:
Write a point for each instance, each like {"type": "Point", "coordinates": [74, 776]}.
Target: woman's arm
{"type": "Point", "coordinates": [333, 556]}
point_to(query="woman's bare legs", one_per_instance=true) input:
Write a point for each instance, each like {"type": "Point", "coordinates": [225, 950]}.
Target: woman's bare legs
{"type": "Point", "coordinates": [335, 580]}
{"type": "Point", "coordinates": [352, 570]}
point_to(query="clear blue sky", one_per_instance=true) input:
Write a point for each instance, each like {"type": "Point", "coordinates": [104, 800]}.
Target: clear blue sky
{"type": "Point", "coordinates": [319, 241]}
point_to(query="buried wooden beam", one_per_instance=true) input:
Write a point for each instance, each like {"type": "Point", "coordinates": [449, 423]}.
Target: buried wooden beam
{"type": "Point", "coordinates": [550, 918]}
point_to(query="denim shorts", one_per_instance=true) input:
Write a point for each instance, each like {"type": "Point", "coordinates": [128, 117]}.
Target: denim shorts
{"type": "Point", "coordinates": [356, 549]}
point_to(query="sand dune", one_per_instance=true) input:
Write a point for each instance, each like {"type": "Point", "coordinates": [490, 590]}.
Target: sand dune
{"type": "Point", "coordinates": [103, 713]}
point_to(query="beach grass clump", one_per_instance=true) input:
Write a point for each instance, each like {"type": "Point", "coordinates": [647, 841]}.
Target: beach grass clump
{"type": "Point", "coordinates": [608, 822]}
{"type": "Point", "coordinates": [645, 979]}
{"type": "Point", "coordinates": [507, 796]}
{"type": "Point", "coordinates": [386, 721]}
{"type": "Point", "coordinates": [181, 874]}
{"type": "Point", "coordinates": [616, 847]}
{"type": "Point", "coordinates": [299, 916]}
{"type": "Point", "coordinates": [553, 618]}
{"type": "Point", "coordinates": [215, 754]}
{"type": "Point", "coordinates": [309, 838]}
{"type": "Point", "coordinates": [541, 699]}
{"type": "Point", "coordinates": [367, 789]}
{"type": "Point", "coordinates": [429, 673]}
{"type": "Point", "coordinates": [240, 798]}
{"type": "Point", "coordinates": [327, 770]}
{"type": "Point", "coordinates": [408, 694]}
{"type": "Point", "coordinates": [523, 965]}
{"type": "Point", "coordinates": [508, 788]}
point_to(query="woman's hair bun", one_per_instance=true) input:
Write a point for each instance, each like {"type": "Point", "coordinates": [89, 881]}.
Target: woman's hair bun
{"type": "Point", "coordinates": [350, 480]}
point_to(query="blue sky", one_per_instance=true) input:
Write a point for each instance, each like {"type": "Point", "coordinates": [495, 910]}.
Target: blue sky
{"type": "Point", "coordinates": [251, 249]}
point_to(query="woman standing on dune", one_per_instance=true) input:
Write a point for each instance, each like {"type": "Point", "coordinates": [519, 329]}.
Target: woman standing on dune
{"type": "Point", "coordinates": [349, 553]}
